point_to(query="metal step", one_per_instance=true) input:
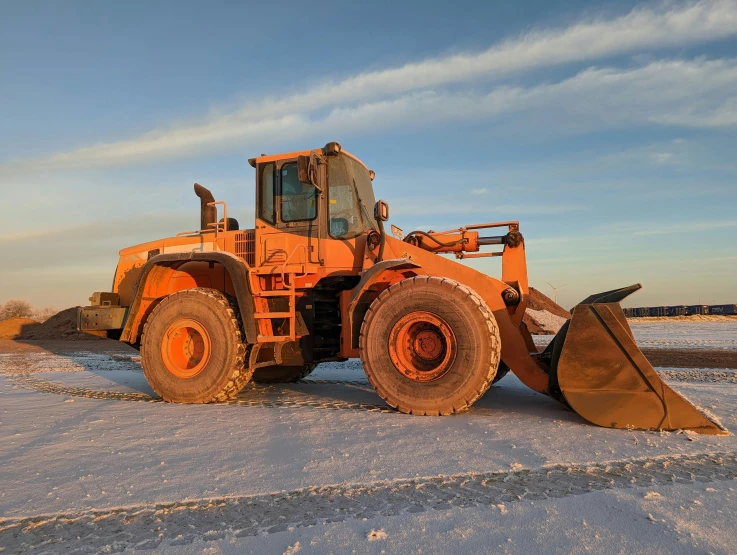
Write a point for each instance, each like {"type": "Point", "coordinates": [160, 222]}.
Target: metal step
{"type": "Point", "coordinates": [273, 315]}
{"type": "Point", "coordinates": [274, 293]}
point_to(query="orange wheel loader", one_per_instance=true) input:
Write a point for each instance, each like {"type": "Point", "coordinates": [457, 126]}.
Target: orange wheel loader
{"type": "Point", "coordinates": [318, 279]}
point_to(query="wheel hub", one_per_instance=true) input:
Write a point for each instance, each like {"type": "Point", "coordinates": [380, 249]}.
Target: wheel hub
{"type": "Point", "coordinates": [186, 348]}
{"type": "Point", "coordinates": [422, 346]}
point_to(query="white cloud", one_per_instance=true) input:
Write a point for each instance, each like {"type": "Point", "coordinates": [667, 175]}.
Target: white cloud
{"type": "Point", "coordinates": [597, 97]}
{"type": "Point", "coordinates": [361, 101]}
{"type": "Point", "coordinates": [661, 157]}
{"type": "Point", "coordinates": [688, 227]}
{"type": "Point", "coordinates": [721, 115]}
{"type": "Point", "coordinates": [481, 191]}
{"type": "Point", "coordinates": [441, 207]}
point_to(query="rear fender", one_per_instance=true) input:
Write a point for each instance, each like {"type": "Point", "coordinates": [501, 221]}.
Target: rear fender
{"type": "Point", "coordinates": [167, 273]}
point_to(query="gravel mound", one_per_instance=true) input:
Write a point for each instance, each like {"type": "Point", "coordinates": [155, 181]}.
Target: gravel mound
{"type": "Point", "coordinates": [61, 326]}
{"type": "Point", "coordinates": [539, 301]}
{"type": "Point", "coordinates": [548, 323]}
{"type": "Point", "coordinates": [14, 327]}
{"type": "Point", "coordinates": [543, 316]}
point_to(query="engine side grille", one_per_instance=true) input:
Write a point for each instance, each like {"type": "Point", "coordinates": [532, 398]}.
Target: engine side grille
{"type": "Point", "coordinates": [245, 246]}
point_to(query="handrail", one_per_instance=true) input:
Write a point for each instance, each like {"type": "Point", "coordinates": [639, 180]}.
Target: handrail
{"type": "Point", "coordinates": [286, 261]}
{"type": "Point", "coordinates": [213, 226]}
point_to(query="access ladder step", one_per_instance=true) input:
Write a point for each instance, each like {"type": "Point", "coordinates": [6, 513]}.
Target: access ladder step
{"type": "Point", "coordinates": [273, 339]}
{"type": "Point", "coordinates": [275, 293]}
{"type": "Point", "coordinates": [273, 315]}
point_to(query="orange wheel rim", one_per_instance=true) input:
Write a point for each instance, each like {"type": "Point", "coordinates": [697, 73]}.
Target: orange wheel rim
{"type": "Point", "coordinates": [186, 348]}
{"type": "Point", "coordinates": [422, 346]}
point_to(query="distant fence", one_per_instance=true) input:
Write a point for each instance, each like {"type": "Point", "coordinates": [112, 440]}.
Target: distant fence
{"type": "Point", "coordinates": [681, 310]}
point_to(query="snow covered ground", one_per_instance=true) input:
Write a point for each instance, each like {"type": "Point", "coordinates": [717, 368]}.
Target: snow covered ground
{"type": "Point", "coordinates": [91, 461]}
{"type": "Point", "coordinates": [691, 335]}
{"type": "Point", "coordinates": [676, 334]}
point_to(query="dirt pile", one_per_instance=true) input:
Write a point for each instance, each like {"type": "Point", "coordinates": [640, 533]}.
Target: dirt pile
{"type": "Point", "coordinates": [548, 323]}
{"type": "Point", "coordinates": [539, 301]}
{"type": "Point", "coordinates": [13, 328]}
{"type": "Point", "coordinates": [543, 316]}
{"type": "Point", "coordinates": [60, 326]}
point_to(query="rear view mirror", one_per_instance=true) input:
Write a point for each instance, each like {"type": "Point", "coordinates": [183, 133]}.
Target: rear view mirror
{"type": "Point", "coordinates": [303, 169]}
{"type": "Point", "coordinates": [381, 211]}
{"type": "Point", "coordinates": [307, 170]}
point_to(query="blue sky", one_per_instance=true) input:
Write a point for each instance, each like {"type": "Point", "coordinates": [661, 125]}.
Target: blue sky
{"type": "Point", "coordinates": [609, 129]}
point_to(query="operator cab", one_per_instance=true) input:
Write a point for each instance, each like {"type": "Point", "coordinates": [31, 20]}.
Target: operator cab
{"type": "Point", "coordinates": [312, 196]}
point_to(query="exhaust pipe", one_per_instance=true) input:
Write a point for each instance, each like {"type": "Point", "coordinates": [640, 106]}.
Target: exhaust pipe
{"type": "Point", "coordinates": [208, 214]}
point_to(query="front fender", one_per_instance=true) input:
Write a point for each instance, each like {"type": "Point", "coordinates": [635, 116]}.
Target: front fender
{"type": "Point", "coordinates": [363, 293]}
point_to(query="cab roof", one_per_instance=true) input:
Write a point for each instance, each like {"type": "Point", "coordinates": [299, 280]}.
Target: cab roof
{"type": "Point", "coordinates": [333, 147]}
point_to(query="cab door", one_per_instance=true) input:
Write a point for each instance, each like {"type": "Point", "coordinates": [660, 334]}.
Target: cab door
{"type": "Point", "coordinates": [287, 216]}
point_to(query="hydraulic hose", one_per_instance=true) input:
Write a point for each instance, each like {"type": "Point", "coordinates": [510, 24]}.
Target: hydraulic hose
{"type": "Point", "coordinates": [440, 243]}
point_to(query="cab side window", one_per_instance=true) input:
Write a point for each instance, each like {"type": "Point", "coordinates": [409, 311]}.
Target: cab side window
{"type": "Point", "coordinates": [298, 200]}
{"type": "Point", "coordinates": [266, 194]}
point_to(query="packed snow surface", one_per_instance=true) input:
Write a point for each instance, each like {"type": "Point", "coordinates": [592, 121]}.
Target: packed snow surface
{"type": "Point", "coordinates": [683, 334]}
{"type": "Point", "coordinates": [679, 334]}
{"type": "Point", "coordinates": [92, 461]}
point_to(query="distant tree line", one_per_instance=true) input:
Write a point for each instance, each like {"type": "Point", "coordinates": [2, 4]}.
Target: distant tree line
{"type": "Point", "coordinates": [18, 308]}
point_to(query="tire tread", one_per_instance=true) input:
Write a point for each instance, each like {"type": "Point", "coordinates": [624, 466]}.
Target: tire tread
{"type": "Point", "coordinates": [239, 374]}
{"type": "Point", "coordinates": [454, 288]}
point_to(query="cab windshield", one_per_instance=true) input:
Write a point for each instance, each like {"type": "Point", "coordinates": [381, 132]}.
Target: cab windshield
{"type": "Point", "coordinates": [350, 198]}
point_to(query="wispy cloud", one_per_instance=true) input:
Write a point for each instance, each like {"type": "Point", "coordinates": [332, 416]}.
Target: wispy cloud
{"type": "Point", "coordinates": [661, 157]}
{"type": "Point", "coordinates": [142, 227]}
{"type": "Point", "coordinates": [441, 207]}
{"type": "Point", "coordinates": [704, 115]}
{"type": "Point", "coordinates": [416, 88]}
{"type": "Point", "coordinates": [688, 227]}
{"type": "Point", "coordinates": [604, 96]}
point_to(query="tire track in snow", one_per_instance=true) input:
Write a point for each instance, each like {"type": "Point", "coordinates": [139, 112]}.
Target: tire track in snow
{"type": "Point", "coordinates": [28, 381]}
{"type": "Point", "coordinates": [147, 526]}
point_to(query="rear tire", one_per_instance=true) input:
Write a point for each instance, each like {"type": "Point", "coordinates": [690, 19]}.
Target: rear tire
{"type": "Point", "coordinates": [192, 348]}
{"type": "Point", "coordinates": [430, 346]}
{"type": "Point", "coordinates": [282, 374]}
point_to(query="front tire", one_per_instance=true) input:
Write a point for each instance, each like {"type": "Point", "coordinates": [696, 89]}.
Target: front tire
{"type": "Point", "coordinates": [192, 348]}
{"type": "Point", "coordinates": [430, 346]}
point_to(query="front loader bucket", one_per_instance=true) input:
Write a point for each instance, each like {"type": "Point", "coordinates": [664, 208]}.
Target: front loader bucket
{"type": "Point", "coordinates": [597, 369]}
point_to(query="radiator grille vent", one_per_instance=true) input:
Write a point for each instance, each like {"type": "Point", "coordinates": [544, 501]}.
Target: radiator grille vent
{"type": "Point", "coordinates": [245, 246]}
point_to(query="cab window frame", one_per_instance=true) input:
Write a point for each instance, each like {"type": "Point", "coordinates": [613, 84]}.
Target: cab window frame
{"type": "Point", "coordinates": [273, 217]}
{"type": "Point", "coordinates": [363, 218]}
{"type": "Point", "coordinates": [281, 196]}
{"type": "Point", "coordinates": [356, 205]}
